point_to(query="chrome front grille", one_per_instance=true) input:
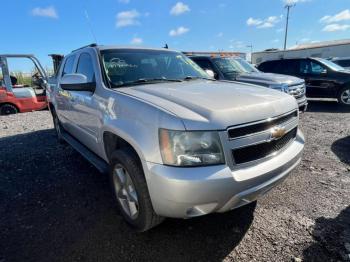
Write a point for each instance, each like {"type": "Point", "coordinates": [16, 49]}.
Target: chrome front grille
{"type": "Point", "coordinates": [254, 142]}
{"type": "Point", "coordinates": [262, 150]}
{"type": "Point", "coordinates": [297, 91]}
{"type": "Point", "coordinates": [256, 127]}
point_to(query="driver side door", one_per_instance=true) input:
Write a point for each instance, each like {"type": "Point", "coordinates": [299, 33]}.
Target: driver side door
{"type": "Point", "coordinates": [64, 97]}
{"type": "Point", "coordinates": [84, 104]}
{"type": "Point", "coordinates": [316, 78]}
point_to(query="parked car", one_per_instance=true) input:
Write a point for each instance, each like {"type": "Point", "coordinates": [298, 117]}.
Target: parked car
{"type": "Point", "coordinates": [324, 79]}
{"type": "Point", "coordinates": [236, 69]}
{"type": "Point", "coordinates": [16, 97]}
{"type": "Point", "coordinates": [176, 143]}
{"type": "Point", "coordinates": [342, 61]}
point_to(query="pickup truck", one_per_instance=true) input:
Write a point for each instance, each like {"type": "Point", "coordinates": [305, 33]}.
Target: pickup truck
{"type": "Point", "coordinates": [236, 69]}
{"type": "Point", "coordinates": [174, 141]}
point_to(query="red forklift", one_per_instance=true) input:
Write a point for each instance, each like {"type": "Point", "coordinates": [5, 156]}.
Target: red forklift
{"type": "Point", "coordinates": [17, 97]}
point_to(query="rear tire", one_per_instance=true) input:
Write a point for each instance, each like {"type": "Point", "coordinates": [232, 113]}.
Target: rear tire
{"type": "Point", "coordinates": [8, 109]}
{"type": "Point", "coordinates": [131, 192]}
{"type": "Point", "coordinates": [344, 96]}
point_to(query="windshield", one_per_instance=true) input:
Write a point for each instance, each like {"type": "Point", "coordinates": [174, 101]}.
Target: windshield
{"type": "Point", "coordinates": [330, 64]}
{"type": "Point", "coordinates": [234, 65]}
{"type": "Point", "coordinates": [129, 66]}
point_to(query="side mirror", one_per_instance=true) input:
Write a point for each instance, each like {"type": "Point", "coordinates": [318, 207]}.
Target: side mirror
{"type": "Point", "coordinates": [77, 82]}
{"type": "Point", "coordinates": [210, 73]}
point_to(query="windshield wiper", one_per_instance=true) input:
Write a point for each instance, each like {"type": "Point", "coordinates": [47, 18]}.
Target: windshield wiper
{"type": "Point", "coordinates": [151, 80]}
{"type": "Point", "coordinates": [187, 78]}
{"type": "Point", "coordinates": [146, 81]}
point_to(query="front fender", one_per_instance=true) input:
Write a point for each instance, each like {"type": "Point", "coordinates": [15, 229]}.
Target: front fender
{"type": "Point", "coordinates": [138, 123]}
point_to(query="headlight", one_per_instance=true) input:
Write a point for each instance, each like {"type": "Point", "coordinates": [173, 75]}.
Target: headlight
{"type": "Point", "coordinates": [280, 87]}
{"type": "Point", "coordinates": [190, 148]}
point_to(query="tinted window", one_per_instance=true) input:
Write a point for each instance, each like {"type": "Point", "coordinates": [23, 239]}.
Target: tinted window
{"type": "Point", "coordinates": [311, 67]}
{"type": "Point", "coordinates": [343, 63]}
{"type": "Point", "coordinates": [85, 67]}
{"type": "Point", "coordinates": [68, 65]}
{"type": "Point", "coordinates": [288, 67]}
{"type": "Point", "coordinates": [204, 63]}
{"type": "Point", "coordinates": [271, 66]}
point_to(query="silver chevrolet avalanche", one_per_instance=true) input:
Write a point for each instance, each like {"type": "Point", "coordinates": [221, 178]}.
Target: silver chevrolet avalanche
{"type": "Point", "coordinates": [175, 142]}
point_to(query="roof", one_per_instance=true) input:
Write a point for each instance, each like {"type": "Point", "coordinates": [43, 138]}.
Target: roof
{"type": "Point", "coordinates": [108, 47]}
{"type": "Point", "coordinates": [203, 53]}
{"type": "Point", "coordinates": [213, 56]}
{"type": "Point", "coordinates": [340, 58]}
{"type": "Point", "coordinates": [292, 58]}
{"type": "Point", "coordinates": [321, 44]}
{"type": "Point", "coordinates": [309, 46]}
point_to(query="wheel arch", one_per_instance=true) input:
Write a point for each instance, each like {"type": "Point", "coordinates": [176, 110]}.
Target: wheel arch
{"type": "Point", "coordinates": [113, 142]}
{"type": "Point", "coordinates": [12, 104]}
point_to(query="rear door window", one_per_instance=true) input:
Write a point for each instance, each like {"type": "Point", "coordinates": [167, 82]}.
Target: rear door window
{"type": "Point", "coordinates": [271, 66]}
{"type": "Point", "coordinates": [288, 67]}
{"type": "Point", "coordinates": [68, 65]}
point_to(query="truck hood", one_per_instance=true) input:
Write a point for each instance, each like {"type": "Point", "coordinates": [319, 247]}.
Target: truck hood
{"type": "Point", "coordinates": [267, 79]}
{"type": "Point", "coordinates": [214, 105]}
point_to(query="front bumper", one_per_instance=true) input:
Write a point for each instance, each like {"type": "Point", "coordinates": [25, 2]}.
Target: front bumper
{"type": "Point", "coordinates": [188, 192]}
{"type": "Point", "coordinates": [302, 104]}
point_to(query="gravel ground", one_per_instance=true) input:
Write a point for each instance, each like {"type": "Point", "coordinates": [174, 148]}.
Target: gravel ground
{"type": "Point", "coordinates": [56, 207]}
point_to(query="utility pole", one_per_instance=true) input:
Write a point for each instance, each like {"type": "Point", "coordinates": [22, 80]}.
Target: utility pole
{"type": "Point", "coordinates": [288, 6]}
{"type": "Point", "coordinates": [251, 51]}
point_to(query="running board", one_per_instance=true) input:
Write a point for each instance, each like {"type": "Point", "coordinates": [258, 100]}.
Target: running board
{"type": "Point", "coordinates": [98, 162]}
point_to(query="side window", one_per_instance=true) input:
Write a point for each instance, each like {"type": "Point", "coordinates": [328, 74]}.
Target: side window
{"type": "Point", "coordinates": [204, 63]}
{"type": "Point", "coordinates": [304, 67]}
{"type": "Point", "coordinates": [316, 68]}
{"type": "Point", "coordinates": [288, 67]}
{"type": "Point", "coordinates": [344, 63]}
{"type": "Point", "coordinates": [85, 67]}
{"type": "Point", "coordinates": [68, 65]}
{"type": "Point", "coordinates": [270, 66]}
{"type": "Point", "coordinates": [311, 67]}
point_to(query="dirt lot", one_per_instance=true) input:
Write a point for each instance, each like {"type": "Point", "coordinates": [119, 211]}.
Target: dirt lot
{"type": "Point", "coordinates": [56, 207]}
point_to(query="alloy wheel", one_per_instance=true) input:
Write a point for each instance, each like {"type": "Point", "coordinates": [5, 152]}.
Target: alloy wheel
{"type": "Point", "coordinates": [345, 96]}
{"type": "Point", "coordinates": [125, 192]}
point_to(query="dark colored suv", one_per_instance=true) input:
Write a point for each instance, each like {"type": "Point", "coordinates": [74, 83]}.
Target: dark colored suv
{"type": "Point", "coordinates": [233, 68]}
{"type": "Point", "coordinates": [342, 61]}
{"type": "Point", "coordinates": [323, 78]}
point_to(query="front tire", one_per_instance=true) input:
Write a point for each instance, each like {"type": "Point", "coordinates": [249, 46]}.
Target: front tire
{"type": "Point", "coordinates": [8, 109]}
{"type": "Point", "coordinates": [344, 96]}
{"type": "Point", "coordinates": [131, 192]}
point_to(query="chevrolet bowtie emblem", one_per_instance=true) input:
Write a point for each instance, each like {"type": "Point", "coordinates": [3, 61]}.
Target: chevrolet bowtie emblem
{"type": "Point", "coordinates": [277, 132]}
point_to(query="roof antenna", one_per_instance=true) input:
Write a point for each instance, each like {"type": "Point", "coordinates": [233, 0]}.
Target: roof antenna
{"type": "Point", "coordinates": [166, 46]}
{"type": "Point", "coordinates": [90, 25]}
